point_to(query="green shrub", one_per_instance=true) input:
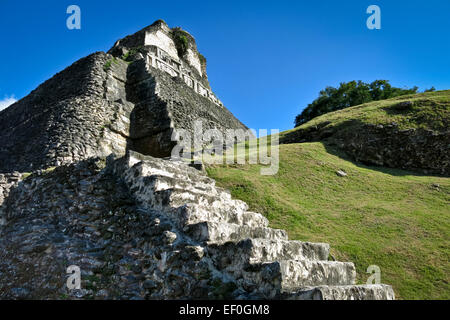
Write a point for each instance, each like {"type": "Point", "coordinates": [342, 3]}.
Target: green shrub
{"type": "Point", "coordinates": [202, 58]}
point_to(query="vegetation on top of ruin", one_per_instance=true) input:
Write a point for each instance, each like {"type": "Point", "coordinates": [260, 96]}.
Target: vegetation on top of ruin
{"type": "Point", "coordinates": [202, 58]}
{"type": "Point", "coordinates": [180, 37]}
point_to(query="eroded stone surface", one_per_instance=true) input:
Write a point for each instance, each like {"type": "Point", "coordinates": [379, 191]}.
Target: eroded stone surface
{"type": "Point", "coordinates": [359, 292]}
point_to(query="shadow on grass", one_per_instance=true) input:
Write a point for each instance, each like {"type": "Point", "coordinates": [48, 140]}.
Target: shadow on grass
{"type": "Point", "coordinates": [383, 148]}
{"type": "Point", "coordinates": [331, 148]}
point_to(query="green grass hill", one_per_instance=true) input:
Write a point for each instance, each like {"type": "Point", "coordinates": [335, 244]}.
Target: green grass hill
{"type": "Point", "coordinates": [430, 110]}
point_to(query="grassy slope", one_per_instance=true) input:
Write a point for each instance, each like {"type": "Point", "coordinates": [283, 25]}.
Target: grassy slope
{"type": "Point", "coordinates": [430, 110]}
{"type": "Point", "coordinates": [397, 220]}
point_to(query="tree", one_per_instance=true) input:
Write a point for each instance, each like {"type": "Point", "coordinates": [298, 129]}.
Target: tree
{"type": "Point", "coordinates": [349, 94]}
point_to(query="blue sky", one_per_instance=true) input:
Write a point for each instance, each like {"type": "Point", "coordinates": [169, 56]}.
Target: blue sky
{"type": "Point", "coordinates": [266, 59]}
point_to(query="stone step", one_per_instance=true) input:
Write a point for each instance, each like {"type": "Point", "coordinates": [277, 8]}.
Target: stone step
{"type": "Point", "coordinates": [150, 166]}
{"type": "Point", "coordinates": [351, 292]}
{"type": "Point", "coordinates": [157, 184]}
{"type": "Point", "coordinates": [241, 246]}
{"type": "Point", "coordinates": [162, 182]}
{"type": "Point", "coordinates": [177, 197]}
{"type": "Point", "coordinates": [253, 219]}
{"type": "Point", "coordinates": [236, 255]}
{"type": "Point", "coordinates": [182, 192]}
{"type": "Point", "coordinates": [189, 203]}
{"type": "Point", "coordinates": [224, 232]}
{"type": "Point", "coordinates": [270, 279]}
{"type": "Point", "coordinates": [217, 212]}
{"type": "Point", "coordinates": [153, 193]}
{"type": "Point", "coordinates": [179, 191]}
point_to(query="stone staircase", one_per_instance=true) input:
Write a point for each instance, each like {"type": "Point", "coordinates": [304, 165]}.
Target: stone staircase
{"type": "Point", "coordinates": [238, 243]}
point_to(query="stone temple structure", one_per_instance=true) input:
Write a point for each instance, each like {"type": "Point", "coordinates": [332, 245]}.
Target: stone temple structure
{"type": "Point", "coordinates": [132, 98]}
{"type": "Point", "coordinates": [83, 183]}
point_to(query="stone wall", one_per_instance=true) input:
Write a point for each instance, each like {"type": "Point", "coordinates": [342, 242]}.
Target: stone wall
{"type": "Point", "coordinates": [420, 150]}
{"type": "Point", "coordinates": [161, 36]}
{"type": "Point", "coordinates": [75, 115]}
{"type": "Point", "coordinates": [163, 104]}
{"type": "Point", "coordinates": [159, 59]}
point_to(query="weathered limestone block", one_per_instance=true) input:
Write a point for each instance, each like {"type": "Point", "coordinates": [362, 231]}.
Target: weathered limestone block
{"type": "Point", "coordinates": [357, 292]}
{"type": "Point", "coordinates": [291, 275]}
{"type": "Point", "coordinates": [237, 255]}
